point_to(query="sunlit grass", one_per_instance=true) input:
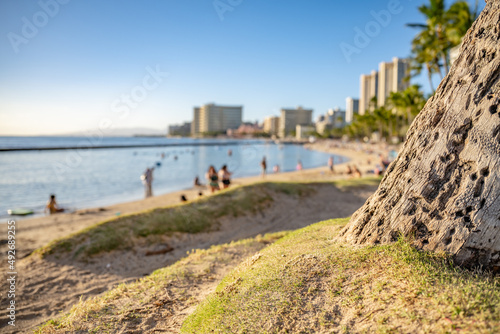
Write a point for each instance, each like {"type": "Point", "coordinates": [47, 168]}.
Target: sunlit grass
{"type": "Point", "coordinates": [127, 304]}
{"type": "Point", "coordinates": [308, 282]}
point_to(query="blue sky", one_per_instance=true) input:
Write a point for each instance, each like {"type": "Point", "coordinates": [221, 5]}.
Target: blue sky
{"type": "Point", "coordinates": [79, 65]}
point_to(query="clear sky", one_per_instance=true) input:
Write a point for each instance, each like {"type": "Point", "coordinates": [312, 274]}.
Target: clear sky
{"type": "Point", "coordinates": [74, 65]}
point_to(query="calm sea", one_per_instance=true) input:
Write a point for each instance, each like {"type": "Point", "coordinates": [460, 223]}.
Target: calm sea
{"type": "Point", "coordinates": [84, 178]}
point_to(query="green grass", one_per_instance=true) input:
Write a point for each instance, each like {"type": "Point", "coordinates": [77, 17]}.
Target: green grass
{"type": "Point", "coordinates": [372, 181]}
{"type": "Point", "coordinates": [194, 217]}
{"type": "Point", "coordinates": [129, 305]}
{"type": "Point", "coordinates": [308, 283]}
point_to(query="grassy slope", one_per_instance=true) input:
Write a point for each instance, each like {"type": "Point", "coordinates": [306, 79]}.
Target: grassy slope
{"type": "Point", "coordinates": [306, 282]}
{"type": "Point", "coordinates": [145, 227]}
{"type": "Point", "coordinates": [151, 300]}
{"type": "Point", "coordinates": [309, 283]}
{"type": "Point", "coordinates": [198, 216]}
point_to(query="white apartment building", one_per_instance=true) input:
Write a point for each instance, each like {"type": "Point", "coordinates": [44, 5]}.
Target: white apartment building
{"type": "Point", "coordinates": [368, 90]}
{"type": "Point", "coordinates": [351, 109]}
{"type": "Point", "coordinates": [214, 118]}
{"type": "Point", "coordinates": [271, 125]}
{"type": "Point", "coordinates": [290, 118]}
{"type": "Point", "coordinates": [303, 131]}
{"type": "Point", "coordinates": [392, 77]}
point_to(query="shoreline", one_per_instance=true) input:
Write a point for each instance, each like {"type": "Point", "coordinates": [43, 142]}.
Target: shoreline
{"type": "Point", "coordinates": [110, 201]}
{"type": "Point", "coordinates": [35, 232]}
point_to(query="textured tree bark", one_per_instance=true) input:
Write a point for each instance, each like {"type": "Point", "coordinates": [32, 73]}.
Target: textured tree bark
{"type": "Point", "coordinates": [443, 189]}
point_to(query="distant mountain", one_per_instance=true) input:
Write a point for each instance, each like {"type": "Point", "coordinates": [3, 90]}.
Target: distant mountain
{"type": "Point", "coordinates": [121, 132]}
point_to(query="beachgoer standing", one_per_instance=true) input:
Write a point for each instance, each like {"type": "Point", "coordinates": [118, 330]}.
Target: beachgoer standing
{"type": "Point", "coordinates": [330, 164]}
{"type": "Point", "coordinates": [263, 165]}
{"type": "Point", "coordinates": [52, 205]}
{"type": "Point", "coordinates": [225, 176]}
{"type": "Point", "coordinates": [299, 165]}
{"type": "Point", "coordinates": [276, 168]}
{"type": "Point", "coordinates": [147, 180]}
{"type": "Point", "coordinates": [197, 182]}
{"type": "Point", "coordinates": [213, 179]}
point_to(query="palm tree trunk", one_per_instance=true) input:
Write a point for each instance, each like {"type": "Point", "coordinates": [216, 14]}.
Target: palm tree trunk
{"type": "Point", "coordinates": [442, 191]}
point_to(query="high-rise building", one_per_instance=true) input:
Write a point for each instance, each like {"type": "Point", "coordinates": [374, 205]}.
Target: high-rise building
{"type": "Point", "coordinates": [392, 77]}
{"type": "Point", "coordinates": [271, 125]}
{"type": "Point", "coordinates": [195, 124]}
{"type": "Point", "coordinates": [351, 108]}
{"type": "Point", "coordinates": [214, 118]}
{"type": "Point", "coordinates": [336, 117]}
{"type": "Point", "coordinates": [304, 131]}
{"type": "Point", "coordinates": [180, 130]}
{"type": "Point", "coordinates": [368, 90]}
{"type": "Point", "coordinates": [290, 118]}
{"type": "Point", "coordinates": [333, 119]}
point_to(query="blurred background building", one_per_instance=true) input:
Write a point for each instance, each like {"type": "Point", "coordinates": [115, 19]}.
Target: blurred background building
{"type": "Point", "coordinates": [212, 118]}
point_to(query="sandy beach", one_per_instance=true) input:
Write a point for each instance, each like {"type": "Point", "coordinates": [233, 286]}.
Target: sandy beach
{"type": "Point", "coordinates": [48, 286]}
{"type": "Point", "coordinates": [36, 232]}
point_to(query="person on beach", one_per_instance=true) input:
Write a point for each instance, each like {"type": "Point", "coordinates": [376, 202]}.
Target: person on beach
{"type": "Point", "coordinates": [147, 180]}
{"type": "Point", "coordinates": [356, 172]}
{"type": "Point", "coordinates": [263, 165]}
{"type": "Point", "coordinates": [384, 162]}
{"type": "Point", "coordinates": [197, 182]}
{"type": "Point", "coordinates": [349, 170]}
{"type": "Point", "coordinates": [213, 179]}
{"type": "Point", "coordinates": [330, 164]}
{"type": "Point", "coordinates": [299, 165]}
{"type": "Point", "coordinates": [52, 206]}
{"type": "Point", "coordinates": [225, 176]}
{"type": "Point", "coordinates": [276, 168]}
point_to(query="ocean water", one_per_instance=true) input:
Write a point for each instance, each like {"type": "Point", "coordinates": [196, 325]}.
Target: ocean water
{"type": "Point", "coordinates": [95, 140]}
{"type": "Point", "coordinates": [97, 177]}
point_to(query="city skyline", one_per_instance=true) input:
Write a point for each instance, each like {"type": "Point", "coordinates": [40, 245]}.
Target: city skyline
{"type": "Point", "coordinates": [70, 66]}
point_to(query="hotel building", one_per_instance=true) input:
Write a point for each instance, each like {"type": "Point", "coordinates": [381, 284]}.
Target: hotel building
{"type": "Point", "coordinates": [214, 118]}
{"type": "Point", "coordinates": [368, 90]}
{"type": "Point", "coordinates": [290, 118]}
{"type": "Point", "coordinates": [392, 77]}
{"type": "Point", "coordinates": [272, 125]}
{"type": "Point", "coordinates": [351, 108]}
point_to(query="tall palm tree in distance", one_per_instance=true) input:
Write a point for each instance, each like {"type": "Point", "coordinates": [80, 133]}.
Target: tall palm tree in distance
{"type": "Point", "coordinates": [443, 29]}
